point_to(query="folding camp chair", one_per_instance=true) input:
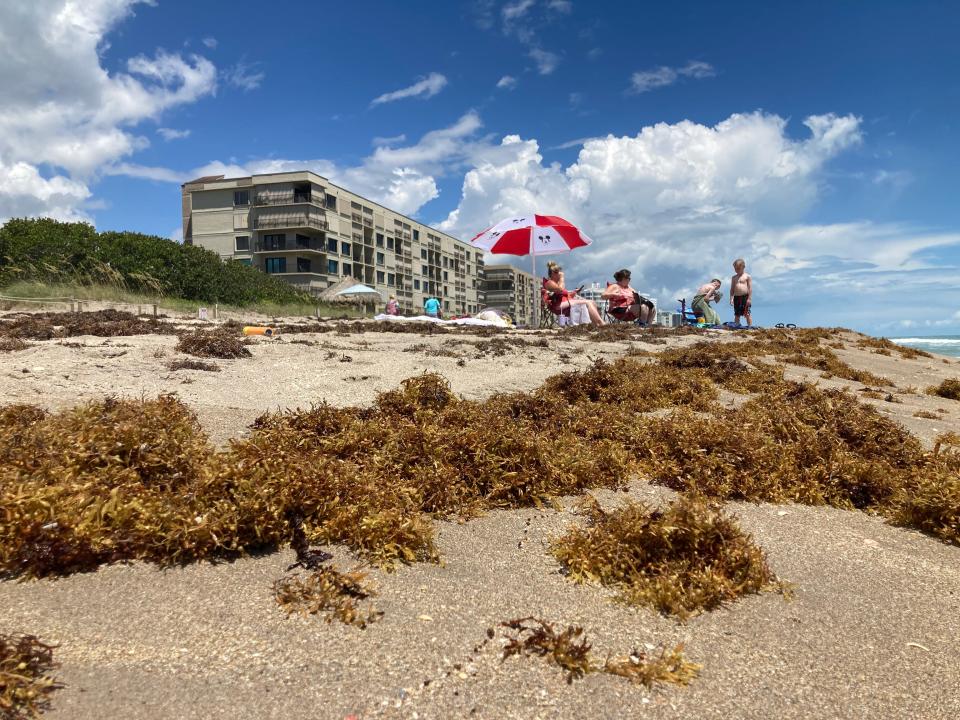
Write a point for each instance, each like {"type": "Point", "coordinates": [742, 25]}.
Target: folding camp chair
{"type": "Point", "coordinates": [687, 317]}
{"type": "Point", "coordinates": [548, 319]}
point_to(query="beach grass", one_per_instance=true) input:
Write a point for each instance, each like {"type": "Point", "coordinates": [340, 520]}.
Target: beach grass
{"type": "Point", "coordinates": [118, 294]}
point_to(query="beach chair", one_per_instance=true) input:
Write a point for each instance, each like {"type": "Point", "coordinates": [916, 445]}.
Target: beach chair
{"type": "Point", "coordinates": [687, 317]}
{"type": "Point", "coordinates": [547, 317]}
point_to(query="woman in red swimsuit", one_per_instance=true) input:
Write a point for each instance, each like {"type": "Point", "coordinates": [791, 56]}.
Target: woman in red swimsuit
{"type": "Point", "coordinates": [558, 298]}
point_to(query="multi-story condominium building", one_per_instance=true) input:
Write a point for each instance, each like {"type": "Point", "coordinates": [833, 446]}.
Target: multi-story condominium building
{"type": "Point", "coordinates": [512, 290]}
{"type": "Point", "coordinates": [311, 233]}
{"type": "Point", "coordinates": [594, 292]}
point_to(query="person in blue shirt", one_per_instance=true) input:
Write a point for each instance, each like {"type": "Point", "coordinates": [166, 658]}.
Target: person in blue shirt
{"type": "Point", "coordinates": [432, 307]}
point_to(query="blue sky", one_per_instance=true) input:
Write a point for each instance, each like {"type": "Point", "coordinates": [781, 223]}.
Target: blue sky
{"type": "Point", "coordinates": [819, 140]}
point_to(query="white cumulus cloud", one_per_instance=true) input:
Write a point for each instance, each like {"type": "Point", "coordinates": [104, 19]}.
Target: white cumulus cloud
{"type": "Point", "coordinates": [245, 76]}
{"type": "Point", "coordinates": [546, 61]}
{"type": "Point", "coordinates": [645, 80]}
{"type": "Point", "coordinates": [425, 87]}
{"type": "Point", "coordinates": [63, 116]}
{"type": "Point", "coordinates": [402, 177]}
{"type": "Point", "coordinates": [507, 82]}
{"type": "Point", "coordinates": [169, 134]}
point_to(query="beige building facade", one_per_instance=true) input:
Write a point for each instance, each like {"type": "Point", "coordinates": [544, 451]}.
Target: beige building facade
{"type": "Point", "coordinates": [311, 233]}
{"type": "Point", "coordinates": [512, 290]}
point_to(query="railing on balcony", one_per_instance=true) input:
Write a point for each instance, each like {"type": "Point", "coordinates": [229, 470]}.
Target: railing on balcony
{"type": "Point", "coordinates": [315, 246]}
{"type": "Point", "coordinates": [291, 220]}
{"type": "Point", "coordinates": [289, 197]}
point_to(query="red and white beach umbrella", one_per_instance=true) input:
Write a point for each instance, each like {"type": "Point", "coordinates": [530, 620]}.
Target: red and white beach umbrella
{"type": "Point", "coordinates": [531, 235]}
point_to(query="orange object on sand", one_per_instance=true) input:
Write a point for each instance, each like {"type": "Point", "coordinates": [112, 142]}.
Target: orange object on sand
{"type": "Point", "coordinates": [255, 330]}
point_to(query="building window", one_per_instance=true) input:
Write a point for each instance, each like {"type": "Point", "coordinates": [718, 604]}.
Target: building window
{"type": "Point", "coordinates": [446, 303]}
{"type": "Point", "coordinates": [344, 248]}
{"type": "Point", "coordinates": [330, 202]}
{"type": "Point", "coordinates": [241, 197]}
{"type": "Point", "coordinates": [346, 268]}
{"type": "Point", "coordinates": [303, 265]}
{"type": "Point", "coordinates": [416, 234]}
{"type": "Point", "coordinates": [242, 243]}
{"type": "Point", "coordinates": [380, 258]}
{"type": "Point", "coordinates": [445, 275]}
{"type": "Point", "coordinates": [245, 261]}
{"type": "Point", "coordinates": [379, 239]}
{"type": "Point", "coordinates": [275, 265]}
{"type": "Point", "coordinates": [331, 245]}
{"type": "Point", "coordinates": [380, 277]}
{"type": "Point", "coordinates": [416, 284]}
{"type": "Point", "coordinates": [391, 279]}
{"type": "Point", "coordinates": [423, 253]}
{"type": "Point", "coordinates": [423, 270]}
{"type": "Point", "coordinates": [445, 290]}
{"type": "Point", "coordinates": [333, 267]}
{"type": "Point", "coordinates": [390, 244]}
{"type": "Point", "coordinates": [275, 242]}
{"type": "Point", "coordinates": [303, 241]}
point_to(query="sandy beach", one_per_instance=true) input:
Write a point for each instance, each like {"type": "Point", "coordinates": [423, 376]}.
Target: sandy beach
{"type": "Point", "coordinates": [870, 632]}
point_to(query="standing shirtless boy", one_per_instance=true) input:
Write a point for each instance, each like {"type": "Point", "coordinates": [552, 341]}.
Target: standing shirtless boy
{"type": "Point", "coordinates": [741, 292]}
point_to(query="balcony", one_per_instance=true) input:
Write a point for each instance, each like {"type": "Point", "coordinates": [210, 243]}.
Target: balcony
{"type": "Point", "coordinates": [276, 221]}
{"type": "Point", "coordinates": [315, 245]}
{"type": "Point", "coordinates": [288, 197]}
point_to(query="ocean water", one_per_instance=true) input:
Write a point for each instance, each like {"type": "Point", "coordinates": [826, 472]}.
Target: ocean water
{"type": "Point", "coordinates": [941, 344]}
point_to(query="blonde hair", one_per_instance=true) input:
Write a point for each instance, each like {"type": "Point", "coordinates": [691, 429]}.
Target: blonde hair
{"type": "Point", "coordinates": [552, 267]}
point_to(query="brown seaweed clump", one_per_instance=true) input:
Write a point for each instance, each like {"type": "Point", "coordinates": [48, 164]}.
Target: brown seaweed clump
{"type": "Point", "coordinates": [193, 365]}
{"type": "Point", "coordinates": [102, 482]}
{"type": "Point", "coordinates": [329, 591]}
{"type": "Point", "coordinates": [100, 323]}
{"type": "Point", "coordinates": [949, 389]}
{"type": "Point", "coordinates": [25, 681]}
{"type": "Point", "coordinates": [641, 667]}
{"type": "Point", "coordinates": [683, 560]}
{"type": "Point", "coordinates": [793, 347]}
{"type": "Point", "coordinates": [218, 344]}
{"type": "Point", "coordinates": [570, 651]}
{"type": "Point", "coordinates": [567, 649]}
{"type": "Point", "coordinates": [930, 502]}
{"type": "Point", "coordinates": [792, 444]}
{"type": "Point", "coordinates": [12, 344]}
{"type": "Point", "coordinates": [882, 346]}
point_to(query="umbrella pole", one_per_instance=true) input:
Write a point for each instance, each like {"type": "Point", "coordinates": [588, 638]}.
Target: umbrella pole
{"type": "Point", "coordinates": [536, 305]}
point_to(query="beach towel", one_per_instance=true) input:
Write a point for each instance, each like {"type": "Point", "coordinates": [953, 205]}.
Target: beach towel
{"type": "Point", "coordinates": [495, 321]}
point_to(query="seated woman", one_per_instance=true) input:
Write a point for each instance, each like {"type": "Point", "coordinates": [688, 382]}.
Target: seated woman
{"type": "Point", "coordinates": [625, 303]}
{"type": "Point", "coordinates": [558, 298]}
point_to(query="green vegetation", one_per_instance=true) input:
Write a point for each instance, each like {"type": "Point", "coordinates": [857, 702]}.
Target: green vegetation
{"type": "Point", "coordinates": [74, 254]}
